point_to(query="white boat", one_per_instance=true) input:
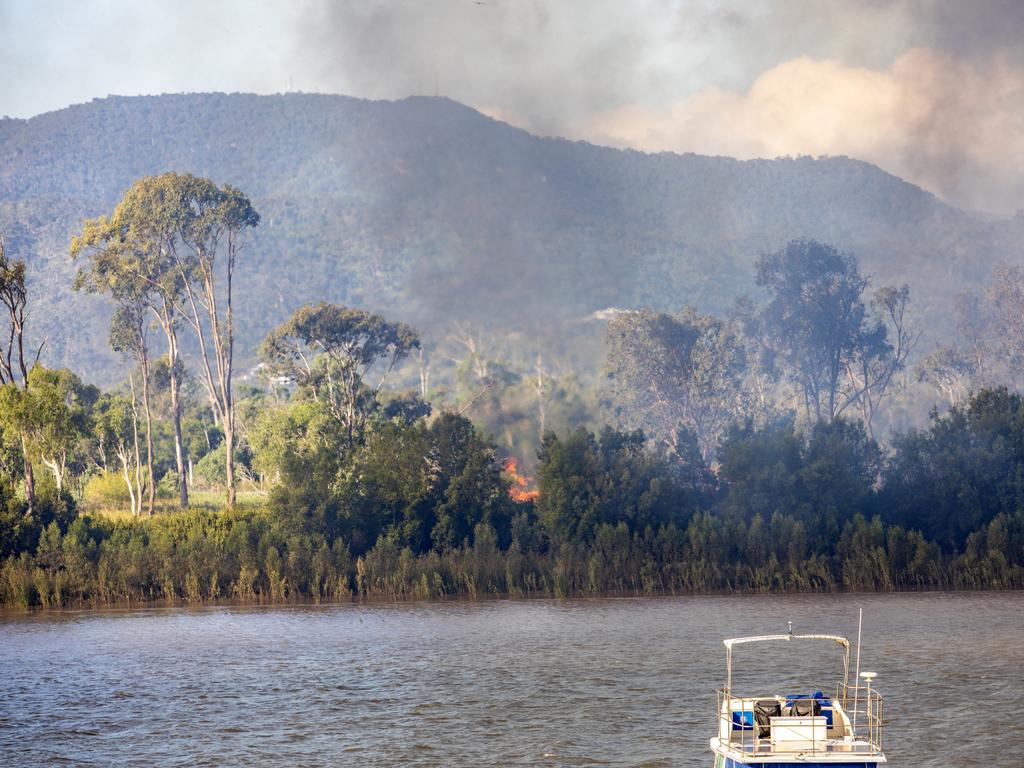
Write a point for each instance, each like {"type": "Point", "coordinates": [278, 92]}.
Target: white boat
{"type": "Point", "coordinates": [841, 729]}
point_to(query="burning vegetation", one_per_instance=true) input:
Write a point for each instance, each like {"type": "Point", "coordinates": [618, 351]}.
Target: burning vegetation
{"type": "Point", "coordinates": [520, 489]}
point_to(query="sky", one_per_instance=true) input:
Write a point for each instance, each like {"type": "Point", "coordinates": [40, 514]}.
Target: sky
{"type": "Point", "coordinates": [932, 91]}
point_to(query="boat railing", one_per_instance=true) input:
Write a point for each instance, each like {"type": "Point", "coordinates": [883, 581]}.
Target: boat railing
{"type": "Point", "coordinates": [741, 728]}
{"type": "Point", "coordinates": [863, 705]}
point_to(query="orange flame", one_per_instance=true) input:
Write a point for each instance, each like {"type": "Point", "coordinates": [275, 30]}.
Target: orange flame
{"type": "Point", "coordinates": [520, 483]}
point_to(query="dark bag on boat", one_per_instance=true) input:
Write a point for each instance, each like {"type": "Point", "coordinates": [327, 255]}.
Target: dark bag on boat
{"type": "Point", "coordinates": [805, 707]}
{"type": "Point", "coordinates": [763, 712]}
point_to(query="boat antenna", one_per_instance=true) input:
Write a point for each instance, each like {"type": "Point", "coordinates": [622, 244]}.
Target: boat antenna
{"type": "Point", "coordinates": [856, 678]}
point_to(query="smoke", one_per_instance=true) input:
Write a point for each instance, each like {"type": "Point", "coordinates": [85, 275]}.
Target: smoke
{"type": "Point", "coordinates": [928, 89]}
{"type": "Point", "coordinates": [539, 63]}
{"type": "Point", "coordinates": [953, 127]}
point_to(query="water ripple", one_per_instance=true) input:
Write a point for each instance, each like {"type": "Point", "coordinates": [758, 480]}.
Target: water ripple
{"type": "Point", "coordinates": [574, 683]}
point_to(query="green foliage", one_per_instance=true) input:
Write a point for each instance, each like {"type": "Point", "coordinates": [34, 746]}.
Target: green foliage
{"type": "Point", "coordinates": [49, 416]}
{"type": "Point", "coordinates": [211, 470]}
{"type": "Point", "coordinates": [426, 487]}
{"type": "Point", "coordinates": [107, 489]}
{"type": "Point", "coordinates": [818, 481]}
{"type": "Point", "coordinates": [298, 445]}
{"type": "Point", "coordinates": [329, 351]}
{"type": "Point", "coordinates": [956, 477]}
{"type": "Point", "coordinates": [436, 214]}
{"type": "Point", "coordinates": [671, 374]}
{"type": "Point", "coordinates": [586, 481]}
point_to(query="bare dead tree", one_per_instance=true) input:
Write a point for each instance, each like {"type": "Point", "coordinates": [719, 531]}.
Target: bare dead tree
{"type": "Point", "coordinates": [13, 365]}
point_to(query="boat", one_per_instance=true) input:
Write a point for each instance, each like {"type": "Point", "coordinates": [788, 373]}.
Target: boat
{"type": "Point", "coordinates": [838, 729]}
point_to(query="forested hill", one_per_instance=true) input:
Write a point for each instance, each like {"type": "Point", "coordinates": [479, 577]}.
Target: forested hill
{"type": "Point", "coordinates": [438, 215]}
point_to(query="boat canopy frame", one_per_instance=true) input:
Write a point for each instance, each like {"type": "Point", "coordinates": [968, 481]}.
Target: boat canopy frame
{"type": "Point", "coordinates": [732, 642]}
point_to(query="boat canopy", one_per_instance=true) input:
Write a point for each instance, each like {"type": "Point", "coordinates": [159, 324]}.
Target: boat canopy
{"type": "Point", "coordinates": [837, 639]}
{"type": "Point", "coordinates": [762, 638]}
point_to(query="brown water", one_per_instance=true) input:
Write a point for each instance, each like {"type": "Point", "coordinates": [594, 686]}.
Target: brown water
{"type": "Point", "coordinates": [585, 682]}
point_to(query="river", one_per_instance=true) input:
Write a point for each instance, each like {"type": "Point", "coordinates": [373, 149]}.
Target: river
{"type": "Point", "coordinates": [617, 682]}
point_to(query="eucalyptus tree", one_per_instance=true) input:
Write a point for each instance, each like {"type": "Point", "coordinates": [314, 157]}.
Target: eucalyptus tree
{"type": "Point", "coordinates": [330, 350]}
{"type": "Point", "coordinates": [131, 258]}
{"type": "Point", "coordinates": [989, 351]}
{"type": "Point", "coordinates": [814, 318]}
{"type": "Point", "coordinates": [172, 244]}
{"type": "Point", "coordinates": [821, 333]}
{"type": "Point", "coordinates": [213, 222]}
{"type": "Point", "coordinates": [949, 370]}
{"type": "Point", "coordinates": [128, 335]}
{"type": "Point", "coordinates": [669, 375]}
{"type": "Point", "coordinates": [881, 353]}
{"type": "Point", "coordinates": [1005, 299]}
{"type": "Point", "coordinates": [14, 365]}
{"type": "Point", "coordinates": [116, 427]}
{"type": "Point", "coordinates": [60, 411]}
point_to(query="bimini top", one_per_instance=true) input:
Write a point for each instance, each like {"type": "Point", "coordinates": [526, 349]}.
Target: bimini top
{"type": "Point", "coordinates": [837, 639]}
{"type": "Point", "coordinates": [763, 638]}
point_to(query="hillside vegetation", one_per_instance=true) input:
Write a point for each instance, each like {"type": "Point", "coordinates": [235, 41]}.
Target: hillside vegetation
{"type": "Point", "coordinates": [439, 216]}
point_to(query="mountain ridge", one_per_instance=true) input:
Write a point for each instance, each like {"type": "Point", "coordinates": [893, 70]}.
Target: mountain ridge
{"type": "Point", "coordinates": [437, 214]}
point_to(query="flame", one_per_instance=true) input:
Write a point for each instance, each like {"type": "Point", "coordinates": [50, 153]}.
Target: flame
{"type": "Point", "coordinates": [520, 483]}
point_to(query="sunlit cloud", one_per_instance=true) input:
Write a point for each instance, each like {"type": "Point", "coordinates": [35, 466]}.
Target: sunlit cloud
{"type": "Point", "coordinates": [954, 127]}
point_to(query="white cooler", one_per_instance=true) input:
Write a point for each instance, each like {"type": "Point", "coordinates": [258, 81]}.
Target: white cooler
{"type": "Point", "coordinates": [792, 733]}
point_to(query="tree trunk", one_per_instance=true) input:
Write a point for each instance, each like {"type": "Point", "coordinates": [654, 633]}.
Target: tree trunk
{"type": "Point", "coordinates": [179, 454]}
{"type": "Point", "coordinates": [229, 447]}
{"type": "Point", "coordinates": [149, 437]}
{"type": "Point", "coordinates": [136, 497]}
{"type": "Point", "coordinates": [167, 321]}
{"type": "Point", "coordinates": [30, 481]}
{"type": "Point", "coordinates": [126, 474]}
{"type": "Point", "coordinates": [59, 468]}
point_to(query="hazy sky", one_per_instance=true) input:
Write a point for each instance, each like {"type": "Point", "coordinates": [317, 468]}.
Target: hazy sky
{"type": "Point", "coordinates": [932, 91]}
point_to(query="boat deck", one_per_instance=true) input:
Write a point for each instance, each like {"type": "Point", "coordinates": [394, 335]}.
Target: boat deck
{"type": "Point", "coordinates": [844, 730]}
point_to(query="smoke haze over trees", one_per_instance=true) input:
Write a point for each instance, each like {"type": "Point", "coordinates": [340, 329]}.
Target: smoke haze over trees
{"type": "Point", "coordinates": [455, 357]}
{"type": "Point", "coordinates": [440, 217]}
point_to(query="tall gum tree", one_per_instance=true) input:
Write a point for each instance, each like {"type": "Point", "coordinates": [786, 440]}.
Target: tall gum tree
{"type": "Point", "coordinates": [212, 229]}
{"type": "Point", "coordinates": [330, 350]}
{"type": "Point", "coordinates": [114, 269]}
{"type": "Point", "coordinates": [666, 374]}
{"type": "Point", "coordinates": [834, 351]}
{"type": "Point", "coordinates": [162, 242]}
{"type": "Point", "coordinates": [14, 366]}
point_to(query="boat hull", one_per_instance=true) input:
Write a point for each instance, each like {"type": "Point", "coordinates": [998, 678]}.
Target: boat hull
{"type": "Point", "coordinates": [726, 758]}
{"type": "Point", "coordinates": [728, 762]}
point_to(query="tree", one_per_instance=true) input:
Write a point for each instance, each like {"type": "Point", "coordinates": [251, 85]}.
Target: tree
{"type": "Point", "coordinates": [821, 334]}
{"type": "Point", "coordinates": [128, 335]}
{"type": "Point", "coordinates": [131, 258]}
{"type": "Point", "coordinates": [51, 414]}
{"type": "Point", "coordinates": [330, 350]}
{"type": "Point", "coordinates": [465, 481]}
{"type": "Point", "coordinates": [880, 354]}
{"type": "Point", "coordinates": [14, 366]}
{"type": "Point", "coordinates": [116, 428]}
{"type": "Point", "coordinates": [950, 371]}
{"type": "Point", "coordinates": [666, 374]}
{"type": "Point", "coordinates": [587, 481]}
{"type": "Point", "coordinates": [990, 349]}
{"type": "Point", "coordinates": [300, 447]}
{"type": "Point", "coordinates": [213, 219]}
{"type": "Point", "coordinates": [960, 473]}
{"type": "Point", "coordinates": [65, 405]}
{"type": "Point", "coordinates": [1005, 298]}
{"type": "Point", "coordinates": [820, 479]}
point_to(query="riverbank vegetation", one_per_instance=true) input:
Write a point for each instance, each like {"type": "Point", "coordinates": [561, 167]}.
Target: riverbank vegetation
{"type": "Point", "coordinates": [716, 453]}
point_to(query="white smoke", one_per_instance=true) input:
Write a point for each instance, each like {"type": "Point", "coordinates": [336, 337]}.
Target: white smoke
{"type": "Point", "coordinates": [951, 126]}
